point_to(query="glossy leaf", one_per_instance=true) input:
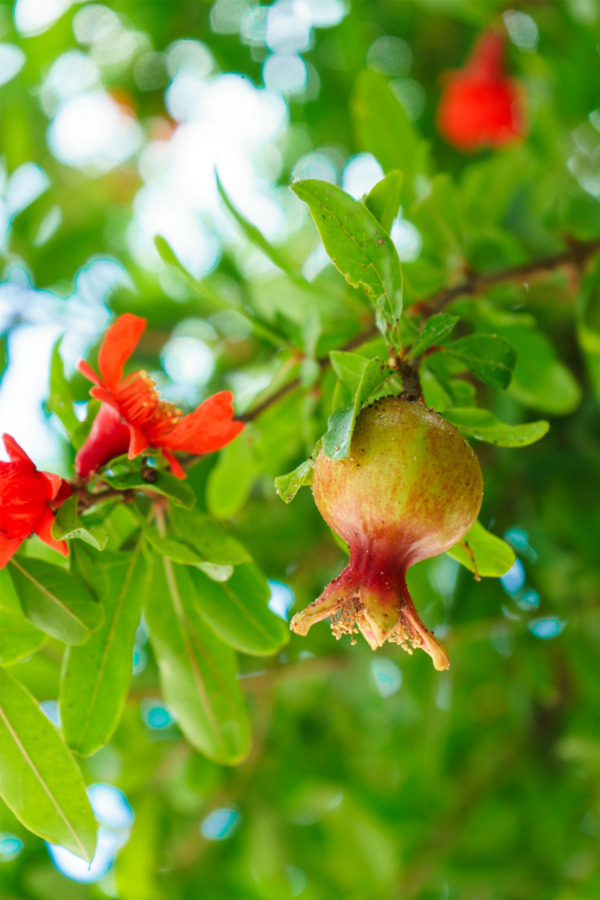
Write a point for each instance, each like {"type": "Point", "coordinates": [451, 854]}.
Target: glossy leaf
{"type": "Point", "coordinates": [126, 475]}
{"type": "Point", "coordinates": [170, 547]}
{"type": "Point", "coordinates": [208, 538]}
{"type": "Point", "coordinates": [18, 637]}
{"type": "Point", "coordinates": [136, 874]}
{"type": "Point", "coordinates": [55, 600]}
{"type": "Point", "coordinates": [438, 219]}
{"type": "Point", "coordinates": [95, 677]}
{"type": "Point", "coordinates": [68, 525]}
{"type": "Point", "coordinates": [256, 237]}
{"type": "Point", "coordinates": [3, 354]}
{"type": "Point", "coordinates": [230, 482]}
{"type": "Point", "coordinates": [336, 440]}
{"type": "Point", "coordinates": [484, 426]}
{"type": "Point", "coordinates": [382, 126]}
{"type": "Point", "coordinates": [349, 367]}
{"type": "Point", "coordinates": [237, 611]}
{"type": "Point", "coordinates": [540, 380]}
{"type": "Point", "coordinates": [488, 356]}
{"type": "Point", "coordinates": [60, 400]}
{"type": "Point", "coordinates": [221, 302]}
{"type": "Point", "coordinates": [39, 780]}
{"type": "Point", "coordinates": [356, 243]}
{"type": "Point", "coordinates": [483, 552]}
{"type": "Point", "coordinates": [197, 670]}
{"type": "Point", "coordinates": [434, 331]}
{"type": "Point", "coordinates": [287, 486]}
{"type": "Point", "coordinates": [383, 200]}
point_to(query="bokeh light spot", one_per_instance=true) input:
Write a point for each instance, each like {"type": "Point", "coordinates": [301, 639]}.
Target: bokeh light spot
{"type": "Point", "coordinates": [514, 579]}
{"type": "Point", "coordinates": [281, 599]}
{"type": "Point", "coordinates": [156, 715]}
{"type": "Point", "coordinates": [360, 174]}
{"type": "Point", "coordinates": [12, 59]}
{"type": "Point", "coordinates": [10, 845]}
{"type": "Point", "coordinates": [387, 676]}
{"type": "Point", "coordinates": [286, 73]}
{"type": "Point", "coordinates": [390, 56]}
{"type": "Point", "coordinates": [546, 628]}
{"type": "Point", "coordinates": [110, 805]}
{"type": "Point", "coordinates": [220, 824]}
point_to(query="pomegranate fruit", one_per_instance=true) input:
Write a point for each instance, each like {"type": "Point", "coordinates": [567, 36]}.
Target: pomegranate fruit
{"type": "Point", "coordinates": [410, 488]}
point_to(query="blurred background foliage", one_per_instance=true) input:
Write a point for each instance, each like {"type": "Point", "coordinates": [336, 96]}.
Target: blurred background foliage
{"type": "Point", "coordinates": [371, 775]}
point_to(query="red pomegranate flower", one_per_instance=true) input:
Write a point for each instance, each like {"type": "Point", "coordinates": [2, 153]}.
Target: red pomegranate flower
{"type": "Point", "coordinates": [26, 498]}
{"type": "Point", "coordinates": [133, 417]}
{"type": "Point", "coordinates": [480, 105]}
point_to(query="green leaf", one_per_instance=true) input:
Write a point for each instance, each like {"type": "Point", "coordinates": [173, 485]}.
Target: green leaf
{"type": "Point", "coordinates": [336, 440]}
{"type": "Point", "coordinates": [230, 482]}
{"type": "Point", "coordinates": [493, 556]}
{"type": "Point", "coordinates": [383, 200]}
{"type": "Point", "coordinates": [435, 330]}
{"type": "Point", "coordinates": [484, 426]}
{"type": "Point", "coordinates": [136, 867]}
{"type": "Point", "coordinates": [356, 243]}
{"type": "Point", "coordinates": [437, 218]}
{"type": "Point", "coordinates": [126, 475]}
{"type": "Point", "coordinates": [181, 552]}
{"type": "Point", "coordinates": [349, 367]}
{"type": "Point", "coordinates": [238, 611]}
{"type": "Point", "coordinates": [95, 678]}
{"type": "Point", "coordinates": [382, 126]}
{"type": "Point", "coordinates": [540, 380]}
{"type": "Point", "coordinates": [287, 486]}
{"type": "Point", "coordinates": [67, 525]}
{"type": "Point", "coordinates": [60, 400]}
{"type": "Point", "coordinates": [488, 356]}
{"type": "Point", "coordinates": [170, 547]}
{"type": "Point", "coordinates": [260, 326]}
{"type": "Point", "coordinates": [3, 354]}
{"type": "Point", "coordinates": [55, 600]}
{"type": "Point", "coordinates": [208, 538]}
{"type": "Point", "coordinates": [197, 670]}
{"type": "Point", "coordinates": [256, 237]}
{"type": "Point", "coordinates": [39, 780]}
{"type": "Point", "coordinates": [18, 637]}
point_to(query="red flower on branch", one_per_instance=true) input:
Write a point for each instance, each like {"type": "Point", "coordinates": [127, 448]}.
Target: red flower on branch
{"type": "Point", "coordinates": [480, 105]}
{"type": "Point", "coordinates": [133, 418]}
{"type": "Point", "coordinates": [26, 501]}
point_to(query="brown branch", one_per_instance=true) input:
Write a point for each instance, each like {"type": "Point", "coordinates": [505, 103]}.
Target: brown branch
{"type": "Point", "coordinates": [576, 255]}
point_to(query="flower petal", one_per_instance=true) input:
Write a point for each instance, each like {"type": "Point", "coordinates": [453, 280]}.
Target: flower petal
{"type": "Point", "coordinates": [43, 530]}
{"type": "Point", "coordinates": [104, 396]}
{"type": "Point", "coordinates": [109, 437]}
{"type": "Point", "coordinates": [138, 442]}
{"type": "Point", "coordinates": [87, 372]}
{"type": "Point", "coordinates": [53, 483]}
{"type": "Point", "coordinates": [174, 463]}
{"type": "Point", "coordinates": [16, 453]}
{"type": "Point", "coordinates": [119, 343]}
{"type": "Point", "coordinates": [209, 428]}
{"type": "Point", "coordinates": [8, 546]}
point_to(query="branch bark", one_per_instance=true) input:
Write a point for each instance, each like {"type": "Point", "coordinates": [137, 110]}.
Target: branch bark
{"type": "Point", "coordinates": [576, 255]}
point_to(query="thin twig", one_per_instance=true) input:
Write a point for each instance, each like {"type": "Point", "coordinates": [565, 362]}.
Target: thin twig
{"type": "Point", "coordinates": [577, 254]}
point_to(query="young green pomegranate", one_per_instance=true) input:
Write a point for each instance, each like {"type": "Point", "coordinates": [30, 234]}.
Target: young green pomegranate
{"type": "Point", "coordinates": [410, 488]}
